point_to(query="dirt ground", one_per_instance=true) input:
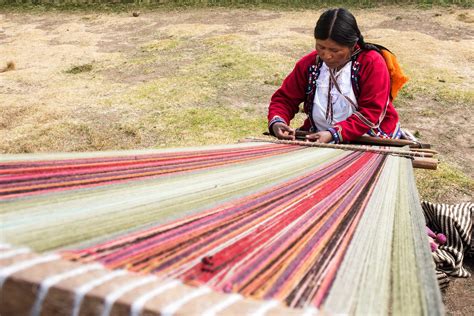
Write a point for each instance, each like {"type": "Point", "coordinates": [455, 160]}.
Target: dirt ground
{"type": "Point", "coordinates": [101, 81]}
{"type": "Point", "coordinates": [458, 297]}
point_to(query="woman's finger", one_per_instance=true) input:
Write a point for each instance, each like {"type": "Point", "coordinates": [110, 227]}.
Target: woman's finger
{"type": "Point", "coordinates": [313, 137]}
{"type": "Point", "coordinates": [283, 131]}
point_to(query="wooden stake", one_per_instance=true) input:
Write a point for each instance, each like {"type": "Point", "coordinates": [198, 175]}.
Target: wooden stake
{"type": "Point", "coordinates": [425, 163]}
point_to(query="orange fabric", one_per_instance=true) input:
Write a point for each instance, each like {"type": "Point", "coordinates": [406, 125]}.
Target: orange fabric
{"type": "Point", "coordinates": [397, 77]}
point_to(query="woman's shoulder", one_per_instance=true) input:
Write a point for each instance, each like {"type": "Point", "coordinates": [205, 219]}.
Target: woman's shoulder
{"type": "Point", "coordinates": [371, 57]}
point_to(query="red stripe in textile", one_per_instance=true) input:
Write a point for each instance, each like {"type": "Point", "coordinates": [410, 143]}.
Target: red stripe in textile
{"type": "Point", "coordinates": [33, 181]}
{"type": "Point", "coordinates": [234, 253]}
{"type": "Point", "coordinates": [255, 202]}
{"type": "Point", "coordinates": [43, 167]}
{"type": "Point", "coordinates": [285, 242]}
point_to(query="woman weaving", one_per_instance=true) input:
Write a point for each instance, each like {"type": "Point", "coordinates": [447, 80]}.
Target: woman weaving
{"type": "Point", "coordinates": [345, 86]}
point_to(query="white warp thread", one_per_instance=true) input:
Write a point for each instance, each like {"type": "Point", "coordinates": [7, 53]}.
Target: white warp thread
{"type": "Point", "coordinates": [80, 292]}
{"type": "Point", "coordinates": [5, 245]}
{"type": "Point", "coordinates": [140, 302]}
{"type": "Point", "coordinates": [310, 311]}
{"type": "Point", "coordinates": [112, 297]}
{"type": "Point", "coordinates": [264, 308]}
{"type": "Point", "coordinates": [233, 298]}
{"type": "Point", "coordinates": [173, 307]}
{"type": "Point", "coordinates": [14, 252]}
{"type": "Point", "coordinates": [9, 270]}
{"type": "Point", "coordinates": [47, 283]}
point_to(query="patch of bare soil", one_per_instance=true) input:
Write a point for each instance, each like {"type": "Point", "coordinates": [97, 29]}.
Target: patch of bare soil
{"type": "Point", "coordinates": [430, 22]}
{"type": "Point", "coordinates": [446, 128]}
{"type": "Point", "coordinates": [458, 298]}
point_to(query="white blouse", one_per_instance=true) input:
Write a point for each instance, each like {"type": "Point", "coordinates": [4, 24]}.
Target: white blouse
{"type": "Point", "coordinates": [342, 109]}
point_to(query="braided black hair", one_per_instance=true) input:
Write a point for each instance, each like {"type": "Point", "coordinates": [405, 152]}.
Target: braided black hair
{"type": "Point", "coordinates": [341, 26]}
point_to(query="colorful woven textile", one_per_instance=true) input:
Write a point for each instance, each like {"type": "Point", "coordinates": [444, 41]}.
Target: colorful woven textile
{"type": "Point", "coordinates": [23, 179]}
{"type": "Point", "coordinates": [338, 230]}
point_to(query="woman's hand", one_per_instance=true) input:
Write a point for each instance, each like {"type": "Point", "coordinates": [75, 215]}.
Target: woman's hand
{"type": "Point", "coordinates": [283, 131]}
{"type": "Point", "coordinates": [320, 137]}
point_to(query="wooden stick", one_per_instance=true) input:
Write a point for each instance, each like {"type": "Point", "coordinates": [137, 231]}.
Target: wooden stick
{"type": "Point", "coordinates": [420, 159]}
{"type": "Point", "coordinates": [425, 163]}
{"type": "Point", "coordinates": [390, 142]}
{"type": "Point", "coordinates": [425, 150]}
{"type": "Point", "coordinates": [396, 152]}
{"type": "Point", "coordinates": [369, 140]}
{"type": "Point", "coordinates": [421, 154]}
{"type": "Point", "coordinates": [384, 141]}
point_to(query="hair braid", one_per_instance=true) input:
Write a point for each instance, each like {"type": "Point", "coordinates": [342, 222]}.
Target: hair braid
{"type": "Point", "coordinates": [341, 26]}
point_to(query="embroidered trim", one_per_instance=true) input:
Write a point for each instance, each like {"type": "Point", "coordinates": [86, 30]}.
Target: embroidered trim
{"type": "Point", "coordinates": [335, 136]}
{"type": "Point", "coordinates": [275, 119]}
{"type": "Point", "coordinates": [378, 132]}
{"type": "Point", "coordinates": [336, 132]}
{"type": "Point", "coordinates": [355, 77]}
{"type": "Point", "coordinates": [313, 75]}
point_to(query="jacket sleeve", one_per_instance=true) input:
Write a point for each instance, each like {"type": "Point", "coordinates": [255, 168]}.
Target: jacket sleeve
{"type": "Point", "coordinates": [285, 101]}
{"type": "Point", "coordinates": [372, 102]}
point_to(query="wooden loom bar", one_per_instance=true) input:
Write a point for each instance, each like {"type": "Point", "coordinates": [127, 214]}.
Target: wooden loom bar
{"type": "Point", "coordinates": [21, 290]}
{"type": "Point", "coordinates": [421, 159]}
{"type": "Point", "coordinates": [369, 140]}
{"type": "Point", "coordinates": [389, 142]}
{"type": "Point", "coordinates": [425, 150]}
{"type": "Point", "coordinates": [420, 162]}
{"type": "Point", "coordinates": [396, 152]}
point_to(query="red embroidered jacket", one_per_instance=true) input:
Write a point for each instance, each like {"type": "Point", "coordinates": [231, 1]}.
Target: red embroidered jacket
{"type": "Point", "coordinates": [371, 84]}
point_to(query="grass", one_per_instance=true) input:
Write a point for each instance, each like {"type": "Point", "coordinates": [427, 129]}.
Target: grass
{"type": "Point", "coordinates": [448, 90]}
{"type": "Point", "coordinates": [225, 62]}
{"type": "Point", "coordinates": [211, 125]}
{"type": "Point", "coordinates": [191, 100]}
{"type": "Point", "coordinates": [444, 185]}
{"type": "Point", "coordinates": [188, 106]}
{"type": "Point", "coordinates": [161, 45]}
{"type": "Point", "coordinates": [171, 91]}
{"type": "Point", "coordinates": [78, 69]}
{"type": "Point", "coordinates": [449, 94]}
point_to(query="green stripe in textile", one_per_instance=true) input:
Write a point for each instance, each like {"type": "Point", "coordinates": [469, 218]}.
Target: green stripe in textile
{"type": "Point", "coordinates": [58, 219]}
{"type": "Point", "coordinates": [338, 230]}
{"type": "Point", "coordinates": [364, 276]}
{"type": "Point", "coordinates": [425, 281]}
{"type": "Point", "coordinates": [15, 158]}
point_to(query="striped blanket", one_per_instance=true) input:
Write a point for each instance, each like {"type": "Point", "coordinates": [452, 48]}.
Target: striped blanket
{"type": "Point", "coordinates": [456, 222]}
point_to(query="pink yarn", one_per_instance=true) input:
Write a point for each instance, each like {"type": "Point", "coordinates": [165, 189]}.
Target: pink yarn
{"type": "Point", "coordinates": [435, 239]}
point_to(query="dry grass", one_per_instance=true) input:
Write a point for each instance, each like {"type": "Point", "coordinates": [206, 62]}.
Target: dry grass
{"type": "Point", "coordinates": [447, 184]}
{"type": "Point", "coordinates": [100, 81]}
